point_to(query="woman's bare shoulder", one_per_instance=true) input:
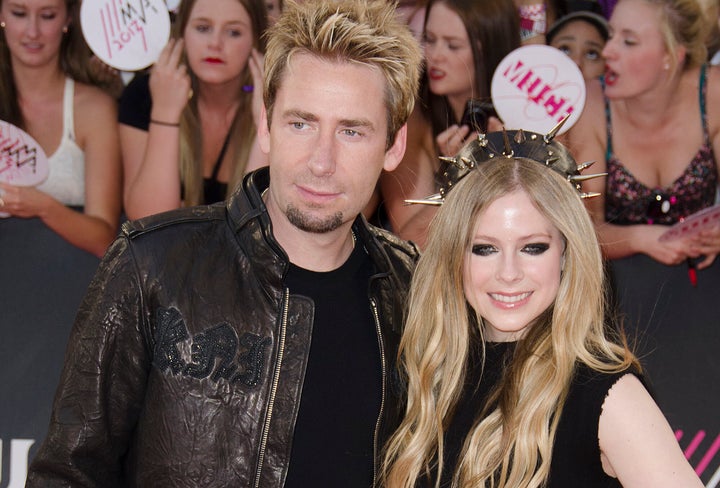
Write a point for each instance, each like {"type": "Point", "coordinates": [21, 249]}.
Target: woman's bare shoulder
{"type": "Point", "coordinates": [95, 114]}
{"type": "Point", "coordinates": [89, 97]}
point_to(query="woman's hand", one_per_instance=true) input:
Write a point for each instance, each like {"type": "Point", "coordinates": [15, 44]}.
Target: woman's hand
{"type": "Point", "coordinates": [705, 243]}
{"type": "Point", "coordinates": [670, 253]}
{"type": "Point", "coordinates": [169, 84]}
{"type": "Point", "coordinates": [24, 201]}
{"type": "Point", "coordinates": [452, 139]}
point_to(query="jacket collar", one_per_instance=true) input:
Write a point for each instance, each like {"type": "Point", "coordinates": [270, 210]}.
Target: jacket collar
{"type": "Point", "coordinates": [252, 227]}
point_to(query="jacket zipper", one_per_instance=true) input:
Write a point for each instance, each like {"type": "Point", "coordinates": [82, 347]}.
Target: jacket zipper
{"type": "Point", "coordinates": [382, 398]}
{"type": "Point", "coordinates": [273, 390]}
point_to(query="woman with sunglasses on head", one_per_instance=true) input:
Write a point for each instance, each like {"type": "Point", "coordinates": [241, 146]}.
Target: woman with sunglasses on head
{"type": "Point", "coordinates": [188, 131]}
{"type": "Point", "coordinates": [514, 378]}
{"type": "Point", "coordinates": [654, 126]}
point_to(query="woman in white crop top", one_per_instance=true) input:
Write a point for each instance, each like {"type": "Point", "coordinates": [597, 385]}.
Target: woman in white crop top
{"type": "Point", "coordinates": [48, 91]}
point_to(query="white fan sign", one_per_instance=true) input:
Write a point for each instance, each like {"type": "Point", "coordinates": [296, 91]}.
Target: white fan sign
{"type": "Point", "coordinates": [535, 86]}
{"type": "Point", "coordinates": [126, 34]}
{"type": "Point", "coordinates": [22, 161]}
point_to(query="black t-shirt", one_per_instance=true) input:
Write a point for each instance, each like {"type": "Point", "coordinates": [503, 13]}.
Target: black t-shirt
{"type": "Point", "coordinates": [135, 103]}
{"type": "Point", "coordinates": [340, 405]}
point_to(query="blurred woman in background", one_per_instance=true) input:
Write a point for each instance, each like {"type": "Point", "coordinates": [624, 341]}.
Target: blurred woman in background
{"type": "Point", "coordinates": [464, 42]}
{"type": "Point", "coordinates": [188, 130]}
{"type": "Point", "coordinates": [49, 89]}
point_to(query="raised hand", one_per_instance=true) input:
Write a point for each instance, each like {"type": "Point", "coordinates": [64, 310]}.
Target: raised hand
{"type": "Point", "coordinates": [169, 84]}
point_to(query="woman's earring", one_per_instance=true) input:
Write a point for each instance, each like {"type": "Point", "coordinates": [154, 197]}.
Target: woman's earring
{"type": "Point", "coordinates": [2, 24]}
{"type": "Point", "coordinates": [65, 29]}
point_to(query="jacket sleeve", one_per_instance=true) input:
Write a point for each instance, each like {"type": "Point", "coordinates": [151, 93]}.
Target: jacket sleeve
{"type": "Point", "coordinates": [102, 385]}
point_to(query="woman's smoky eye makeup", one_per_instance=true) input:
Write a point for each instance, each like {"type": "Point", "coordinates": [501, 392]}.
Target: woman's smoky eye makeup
{"type": "Point", "coordinates": [536, 248]}
{"type": "Point", "coordinates": [533, 249]}
{"type": "Point", "coordinates": [482, 249]}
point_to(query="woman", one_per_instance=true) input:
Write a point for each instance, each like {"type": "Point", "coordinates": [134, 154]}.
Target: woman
{"type": "Point", "coordinates": [199, 106]}
{"type": "Point", "coordinates": [581, 35]}
{"type": "Point", "coordinates": [513, 377]}
{"type": "Point", "coordinates": [465, 40]}
{"type": "Point", "coordinates": [48, 90]}
{"type": "Point", "coordinates": [655, 128]}
{"type": "Point", "coordinates": [464, 43]}
{"type": "Point", "coordinates": [655, 117]}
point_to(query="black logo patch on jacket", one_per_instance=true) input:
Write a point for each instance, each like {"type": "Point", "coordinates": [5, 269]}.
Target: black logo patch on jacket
{"type": "Point", "coordinates": [216, 353]}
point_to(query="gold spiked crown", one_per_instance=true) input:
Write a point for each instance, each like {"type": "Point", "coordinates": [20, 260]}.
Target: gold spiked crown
{"type": "Point", "coordinates": [509, 144]}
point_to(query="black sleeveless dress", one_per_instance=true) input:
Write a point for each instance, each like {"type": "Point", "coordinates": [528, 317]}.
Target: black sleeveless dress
{"type": "Point", "coordinates": [576, 452]}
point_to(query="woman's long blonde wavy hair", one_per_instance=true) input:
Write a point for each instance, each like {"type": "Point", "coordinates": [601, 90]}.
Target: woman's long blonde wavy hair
{"type": "Point", "coordinates": [511, 443]}
{"type": "Point", "coordinates": [242, 129]}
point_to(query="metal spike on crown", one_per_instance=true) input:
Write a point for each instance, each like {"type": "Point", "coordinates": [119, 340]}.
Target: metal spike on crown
{"type": "Point", "coordinates": [509, 144]}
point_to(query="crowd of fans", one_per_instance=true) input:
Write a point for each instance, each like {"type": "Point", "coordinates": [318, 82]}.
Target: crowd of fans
{"type": "Point", "coordinates": [185, 134]}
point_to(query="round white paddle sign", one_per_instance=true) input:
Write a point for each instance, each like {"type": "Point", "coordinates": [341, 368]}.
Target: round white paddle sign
{"type": "Point", "coordinates": [535, 86]}
{"type": "Point", "coordinates": [126, 34]}
{"type": "Point", "coordinates": [22, 161]}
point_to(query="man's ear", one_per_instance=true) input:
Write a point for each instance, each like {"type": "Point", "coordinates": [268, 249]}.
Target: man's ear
{"type": "Point", "coordinates": [394, 155]}
{"type": "Point", "coordinates": [263, 131]}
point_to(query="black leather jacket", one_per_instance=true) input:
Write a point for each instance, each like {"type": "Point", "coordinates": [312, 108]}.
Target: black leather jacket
{"type": "Point", "coordinates": [186, 361]}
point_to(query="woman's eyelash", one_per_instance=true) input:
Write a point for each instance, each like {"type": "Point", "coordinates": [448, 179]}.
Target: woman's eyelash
{"type": "Point", "coordinates": [483, 249]}
{"type": "Point", "coordinates": [532, 249]}
{"type": "Point", "coordinates": [537, 248]}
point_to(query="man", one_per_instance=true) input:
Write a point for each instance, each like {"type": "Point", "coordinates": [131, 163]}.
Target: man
{"type": "Point", "coordinates": [253, 343]}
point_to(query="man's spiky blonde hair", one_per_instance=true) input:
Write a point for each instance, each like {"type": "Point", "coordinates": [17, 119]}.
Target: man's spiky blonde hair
{"type": "Point", "coordinates": [358, 31]}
